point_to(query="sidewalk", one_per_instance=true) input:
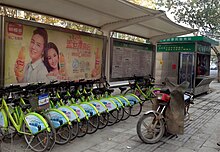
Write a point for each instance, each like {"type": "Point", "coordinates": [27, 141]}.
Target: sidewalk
{"type": "Point", "coordinates": [202, 132]}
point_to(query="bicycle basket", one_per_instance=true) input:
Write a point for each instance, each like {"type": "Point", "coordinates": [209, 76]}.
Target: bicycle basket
{"type": "Point", "coordinates": [163, 97]}
{"type": "Point", "coordinates": [40, 102]}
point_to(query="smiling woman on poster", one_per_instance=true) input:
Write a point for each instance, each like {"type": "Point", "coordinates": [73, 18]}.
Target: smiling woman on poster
{"type": "Point", "coordinates": [52, 57]}
{"type": "Point", "coordinates": [35, 70]}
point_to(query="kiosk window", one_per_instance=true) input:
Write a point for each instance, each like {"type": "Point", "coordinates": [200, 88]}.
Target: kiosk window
{"type": "Point", "coordinates": [203, 65]}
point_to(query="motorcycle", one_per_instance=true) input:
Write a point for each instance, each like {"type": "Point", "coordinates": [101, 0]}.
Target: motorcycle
{"type": "Point", "coordinates": [170, 108]}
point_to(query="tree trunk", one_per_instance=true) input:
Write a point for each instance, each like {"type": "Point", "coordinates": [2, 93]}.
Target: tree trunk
{"type": "Point", "coordinates": [218, 57]}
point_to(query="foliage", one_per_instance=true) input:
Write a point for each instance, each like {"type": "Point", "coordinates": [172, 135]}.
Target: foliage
{"type": "Point", "coordinates": [200, 14]}
{"type": "Point", "coordinates": [145, 3]}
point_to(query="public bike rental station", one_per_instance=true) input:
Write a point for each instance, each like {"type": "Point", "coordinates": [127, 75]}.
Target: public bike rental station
{"type": "Point", "coordinates": [185, 58]}
{"type": "Point", "coordinates": [29, 46]}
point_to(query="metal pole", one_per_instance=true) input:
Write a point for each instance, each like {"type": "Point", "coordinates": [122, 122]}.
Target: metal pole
{"type": "Point", "coordinates": [2, 51]}
{"type": "Point", "coordinates": [108, 53]}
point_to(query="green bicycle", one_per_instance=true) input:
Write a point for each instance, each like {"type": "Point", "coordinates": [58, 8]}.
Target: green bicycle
{"type": "Point", "coordinates": [144, 89]}
{"type": "Point", "coordinates": [59, 120]}
{"type": "Point", "coordinates": [32, 125]}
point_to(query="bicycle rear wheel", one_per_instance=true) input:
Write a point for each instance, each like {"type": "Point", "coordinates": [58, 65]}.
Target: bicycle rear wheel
{"type": "Point", "coordinates": [38, 142]}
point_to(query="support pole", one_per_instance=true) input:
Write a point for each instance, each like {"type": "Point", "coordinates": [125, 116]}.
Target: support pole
{"type": "Point", "coordinates": [2, 51]}
{"type": "Point", "coordinates": [108, 55]}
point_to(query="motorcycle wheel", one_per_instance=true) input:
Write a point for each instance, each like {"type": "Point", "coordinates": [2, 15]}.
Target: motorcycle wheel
{"type": "Point", "coordinates": [149, 129]}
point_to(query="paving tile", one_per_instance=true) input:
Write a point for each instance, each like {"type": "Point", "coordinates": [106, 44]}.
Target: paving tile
{"type": "Point", "coordinates": [169, 147]}
{"type": "Point", "coordinates": [207, 149]}
{"type": "Point", "coordinates": [127, 146]}
{"type": "Point", "coordinates": [149, 147]}
{"type": "Point", "coordinates": [193, 144]}
{"type": "Point", "coordinates": [122, 137]}
{"type": "Point", "coordinates": [104, 146]}
{"type": "Point", "coordinates": [184, 149]}
{"type": "Point", "coordinates": [89, 150]}
{"type": "Point", "coordinates": [200, 136]}
{"type": "Point", "coordinates": [163, 150]}
{"type": "Point", "coordinates": [211, 144]}
{"type": "Point", "coordinates": [140, 150]}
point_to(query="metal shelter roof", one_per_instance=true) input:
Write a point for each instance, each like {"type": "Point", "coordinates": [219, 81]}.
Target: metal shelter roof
{"type": "Point", "coordinates": [108, 15]}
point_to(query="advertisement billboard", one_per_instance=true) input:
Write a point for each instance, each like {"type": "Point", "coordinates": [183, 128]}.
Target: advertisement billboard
{"type": "Point", "coordinates": [36, 54]}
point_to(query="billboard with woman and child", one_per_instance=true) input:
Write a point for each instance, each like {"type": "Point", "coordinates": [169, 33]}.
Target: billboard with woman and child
{"type": "Point", "coordinates": [36, 54]}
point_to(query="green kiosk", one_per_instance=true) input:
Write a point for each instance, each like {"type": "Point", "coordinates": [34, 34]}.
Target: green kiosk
{"type": "Point", "coordinates": [185, 58]}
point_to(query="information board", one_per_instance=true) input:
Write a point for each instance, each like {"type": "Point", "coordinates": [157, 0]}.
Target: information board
{"type": "Point", "coordinates": [129, 60]}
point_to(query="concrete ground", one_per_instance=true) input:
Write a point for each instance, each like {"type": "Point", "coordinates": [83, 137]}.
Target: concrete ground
{"type": "Point", "coordinates": [202, 132]}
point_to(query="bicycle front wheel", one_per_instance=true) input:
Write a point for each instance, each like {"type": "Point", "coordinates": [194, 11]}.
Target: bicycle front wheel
{"type": "Point", "coordinates": [63, 134]}
{"type": "Point", "coordinates": [83, 127]}
{"type": "Point", "coordinates": [103, 120]}
{"type": "Point", "coordinates": [38, 142]}
{"type": "Point", "coordinates": [135, 105]}
{"type": "Point", "coordinates": [52, 134]}
{"type": "Point", "coordinates": [120, 114]}
{"type": "Point", "coordinates": [93, 124]}
{"type": "Point", "coordinates": [127, 113]}
{"type": "Point", "coordinates": [75, 129]}
{"type": "Point", "coordinates": [113, 117]}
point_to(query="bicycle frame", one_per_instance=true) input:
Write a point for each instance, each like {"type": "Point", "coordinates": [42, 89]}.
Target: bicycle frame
{"type": "Point", "coordinates": [149, 90]}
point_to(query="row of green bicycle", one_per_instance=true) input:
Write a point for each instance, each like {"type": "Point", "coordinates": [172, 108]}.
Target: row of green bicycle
{"type": "Point", "coordinates": [59, 112]}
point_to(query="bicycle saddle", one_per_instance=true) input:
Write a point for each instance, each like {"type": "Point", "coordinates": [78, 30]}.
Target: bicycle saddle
{"type": "Point", "coordinates": [122, 89]}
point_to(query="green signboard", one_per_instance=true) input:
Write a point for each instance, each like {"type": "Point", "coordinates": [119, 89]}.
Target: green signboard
{"type": "Point", "coordinates": [191, 39]}
{"type": "Point", "coordinates": [139, 46]}
{"type": "Point", "coordinates": [204, 48]}
{"type": "Point", "coordinates": [176, 47]}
